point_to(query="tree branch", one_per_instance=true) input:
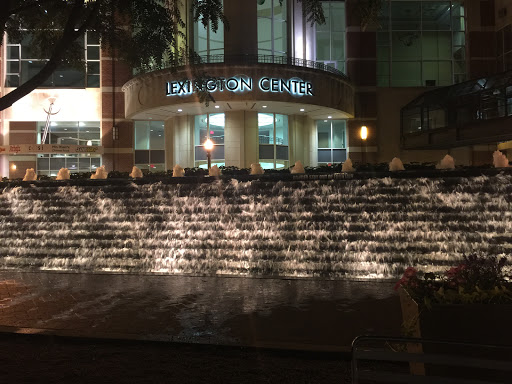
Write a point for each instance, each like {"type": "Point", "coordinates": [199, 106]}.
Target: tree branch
{"type": "Point", "coordinates": [69, 35]}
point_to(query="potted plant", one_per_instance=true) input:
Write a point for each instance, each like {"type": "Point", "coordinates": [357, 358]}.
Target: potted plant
{"type": "Point", "coordinates": [471, 303]}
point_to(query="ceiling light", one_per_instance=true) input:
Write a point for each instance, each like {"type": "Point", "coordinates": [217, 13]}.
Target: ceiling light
{"type": "Point", "coordinates": [329, 117]}
{"type": "Point", "coordinates": [180, 110]}
{"type": "Point", "coordinates": [302, 109]}
{"type": "Point", "coordinates": [264, 106]}
{"type": "Point", "coordinates": [217, 107]}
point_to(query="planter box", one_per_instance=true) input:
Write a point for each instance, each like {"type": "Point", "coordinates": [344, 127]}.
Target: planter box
{"type": "Point", "coordinates": [488, 324]}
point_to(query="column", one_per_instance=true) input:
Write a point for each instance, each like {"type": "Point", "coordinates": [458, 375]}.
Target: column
{"type": "Point", "coordinates": [234, 139]}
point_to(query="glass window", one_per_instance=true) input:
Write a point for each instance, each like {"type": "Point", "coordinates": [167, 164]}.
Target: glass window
{"type": "Point", "coordinates": [272, 28]}
{"type": "Point", "coordinates": [150, 145]}
{"type": "Point", "coordinates": [330, 37]}
{"type": "Point", "coordinates": [209, 126]}
{"type": "Point", "coordinates": [156, 135]}
{"type": "Point", "coordinates": [50, 165]}
{"type": "Point", "coordinates": [141, 135]}
{"type": "Point", "coordinates": [23, 65]}
{"type": "Point", "coordinates": [207, 42]}
{"type": "Point", "coordinates": [421, 42]}
{"type": "Point", "coordinates": [324, 134]}
{"type": "Point", "coordinates": [504, 48]}
{"type": "Point", "coordinates": [331, 141]}
{"type": "Point", "coordinates": [273, 140]}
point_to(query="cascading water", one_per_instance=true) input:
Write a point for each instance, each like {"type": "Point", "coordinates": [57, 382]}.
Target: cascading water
{"type": "Point", "coordinates": [332, 228]}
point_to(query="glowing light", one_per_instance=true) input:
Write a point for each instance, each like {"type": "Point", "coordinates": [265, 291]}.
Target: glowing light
{"type": "Point", "coordinates": [302, 109]}
{"type": "Point", "coordinates": [217, 119]}
{"type": "Point", "coordinates": [265, 119]}
{"type": "Point", "coordinates": [364, 132]}
{"type": "Point", "coordinates": [217, 107]}
{"type": "Point", "coordinates": [13, 167]}
{"type": "Point", "coordinates": [208, 145]}
{"type": "Point", "coordinates": [180, 110]}
{"type": "Point", "coordinates": [329, 117]}
{"type": "Point", "coordinates": [89, 142]}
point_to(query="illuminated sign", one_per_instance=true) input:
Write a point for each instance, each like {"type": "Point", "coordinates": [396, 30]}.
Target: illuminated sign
{"type": "Point", "coordinates": [239, 84]}
{"type": "Point", "coordinates": [49, 148]}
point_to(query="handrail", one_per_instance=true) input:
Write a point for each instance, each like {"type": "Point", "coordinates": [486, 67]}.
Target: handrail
{"type": "Point", "coordinates": [362, 351]}
{"type": "Point", "coordinates": [246, 59]}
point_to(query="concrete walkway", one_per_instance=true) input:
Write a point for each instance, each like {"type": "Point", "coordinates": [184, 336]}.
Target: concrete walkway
{"type": "Point", "coordinates": [304, 314]}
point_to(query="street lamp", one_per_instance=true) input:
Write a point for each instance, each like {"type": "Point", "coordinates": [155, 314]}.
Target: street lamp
{"type": "Point", "coordinates": [364, 136]}
{"type": "Point", "coordinates": [208, 146]}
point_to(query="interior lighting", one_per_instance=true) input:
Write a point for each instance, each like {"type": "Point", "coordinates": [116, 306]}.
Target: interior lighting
{"type": "Point", "coordinates": [265, 119]}
{"type": "Point", "coordinates": [180, 110]}
{"type": "Point", "coordinates": [89, 142]}
{"type": "Point", "coordinates": [217, 119]}
{"type": "Point", "coordinates": [13, 167]}
{"type": "Point", "coordinates": [329, 117]}
{"type": "Point", "coordinates": [217, 107]}
{"type": "Point", "coordinates": [302, 109]}
{"type": "Point", "coordinates": [264, 106]}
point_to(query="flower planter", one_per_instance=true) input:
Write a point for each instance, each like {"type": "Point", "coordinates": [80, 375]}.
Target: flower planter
{"type": "Point", "coordinates": [467, 323]}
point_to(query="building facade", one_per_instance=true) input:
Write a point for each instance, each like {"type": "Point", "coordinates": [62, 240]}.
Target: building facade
{"type": "Point", "coordinates": [282, 90]}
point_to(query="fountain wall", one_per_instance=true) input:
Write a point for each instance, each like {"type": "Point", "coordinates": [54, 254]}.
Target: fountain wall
{"type": "Point", "coordinates": [372, 228]}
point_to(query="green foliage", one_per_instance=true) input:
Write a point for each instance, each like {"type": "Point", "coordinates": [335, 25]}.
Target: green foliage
{"type": "Point", "coordinates": [234, 171]}
{"type": "Point", "coordinates": [196, 171]}
{"type": "Point", "coordinates": [118, 175]}
{"type": "Point", "coordinates": [312, 11]}
{"type": "Point", "coordinates": [209, 13]}
{"type": "Point", "coordinates": [80, 176]}
{"type": "Point", "coordinates": [369, 12]}
{"type": "Point", "coordinates": [477, 279]}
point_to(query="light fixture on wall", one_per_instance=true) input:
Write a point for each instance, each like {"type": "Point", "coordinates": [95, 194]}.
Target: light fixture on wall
{"type": "Point", "coordinates": [364, 136]}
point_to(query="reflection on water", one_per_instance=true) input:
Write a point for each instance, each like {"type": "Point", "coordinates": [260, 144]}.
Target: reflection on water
{"type": "Point", "coordinates": [331, 228]}
{"type": "Point", "coordinates": [227, 310]}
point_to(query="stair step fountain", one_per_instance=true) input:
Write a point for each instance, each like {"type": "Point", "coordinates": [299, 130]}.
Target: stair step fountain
{"type": "Point", "coordinates": [372, 228]}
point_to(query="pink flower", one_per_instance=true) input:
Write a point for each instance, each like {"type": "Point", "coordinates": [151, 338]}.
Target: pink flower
{"type": "Point", "coordinates": [410, 272]}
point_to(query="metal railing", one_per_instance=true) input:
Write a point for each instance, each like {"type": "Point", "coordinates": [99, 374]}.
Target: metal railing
{"type": "Point", "coordinates": [423, 361]}
{"type": "Point", "coordinates": [245, 60]}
